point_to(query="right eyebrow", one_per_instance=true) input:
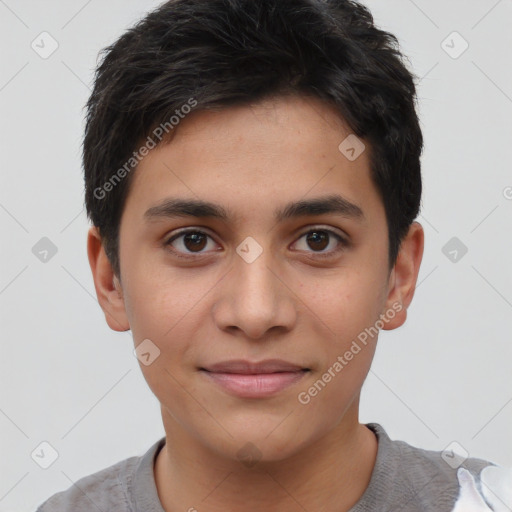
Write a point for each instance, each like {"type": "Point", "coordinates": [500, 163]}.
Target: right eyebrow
{"type": "Point", "coordinates": [174, 207]}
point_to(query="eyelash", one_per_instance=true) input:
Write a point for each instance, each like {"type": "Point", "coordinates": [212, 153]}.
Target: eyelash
{"type": "Point", "coordinates": [343, 243]}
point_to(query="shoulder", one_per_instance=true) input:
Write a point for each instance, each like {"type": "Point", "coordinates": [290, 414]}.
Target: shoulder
{"type": "Point", "coordinates": [98, 491]}
{"type": "Point", "coordinates": [439, 467]}
{"type": "Point", "coordinates": [111, 488]}
{"type": "Point", "coordinates": [418, 479]}
{"type": "Point", "coordinates": [490, 492]}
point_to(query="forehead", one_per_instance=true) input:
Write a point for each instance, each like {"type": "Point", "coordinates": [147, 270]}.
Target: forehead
{"type": "Point", "coordinates": [256, 159]}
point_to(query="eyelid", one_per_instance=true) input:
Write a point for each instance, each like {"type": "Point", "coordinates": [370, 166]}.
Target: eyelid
{"type": "Point", "coordinates": [192, 229]}
{"type": "Point", "coordinates": [329, 229]}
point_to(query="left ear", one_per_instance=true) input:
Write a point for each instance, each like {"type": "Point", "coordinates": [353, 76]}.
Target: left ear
{"type": "Point", "coordinates": [403, 277]}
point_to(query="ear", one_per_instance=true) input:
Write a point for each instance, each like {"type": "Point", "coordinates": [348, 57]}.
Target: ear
{"type": "Point", "coordinates": [403, 277]}
{"type": "Point", "coordinates": [108, 287]}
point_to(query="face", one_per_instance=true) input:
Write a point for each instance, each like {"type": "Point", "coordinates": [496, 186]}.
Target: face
{"type": "Point", "coordinates": [288, 262]}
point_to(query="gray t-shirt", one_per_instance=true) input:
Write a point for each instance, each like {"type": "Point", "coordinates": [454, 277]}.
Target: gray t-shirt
{"type": "Point", "coordinates": [404, 479]}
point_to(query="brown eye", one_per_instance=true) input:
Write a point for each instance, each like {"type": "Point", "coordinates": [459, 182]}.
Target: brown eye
{"type": "Point", "coordinates": [189, 242]}
{"type": "Point", "coordinates": [318, 240]}
{"type": "Point", "coordinates": [194, 241]}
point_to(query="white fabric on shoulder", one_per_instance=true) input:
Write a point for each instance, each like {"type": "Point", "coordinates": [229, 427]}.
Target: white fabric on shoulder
{"type": "Point", "coordinates": [497, 487]}
{"type": "Point", "coordinates": [495, 494]}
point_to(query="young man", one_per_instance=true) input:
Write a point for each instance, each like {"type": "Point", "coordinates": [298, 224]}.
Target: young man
{"type": "Point", "coordinates": [252, 172]}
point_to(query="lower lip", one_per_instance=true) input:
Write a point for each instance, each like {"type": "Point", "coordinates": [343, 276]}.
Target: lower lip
{"type": "Point", "coordinates": [255, 386]}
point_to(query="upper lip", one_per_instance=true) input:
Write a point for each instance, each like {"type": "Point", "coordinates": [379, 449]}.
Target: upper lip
{"type": "Point", "coordinates": [247, 367]}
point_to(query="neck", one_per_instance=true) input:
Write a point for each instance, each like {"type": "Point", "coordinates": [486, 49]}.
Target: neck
{"type": "Point", "coordinates": [330, 474]}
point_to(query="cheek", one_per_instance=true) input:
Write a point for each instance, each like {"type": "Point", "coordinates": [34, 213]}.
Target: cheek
{"type": "Point", "coordinates": [346, 304]}
{"type": "Point", "coordinates": [332, 391]}
{"type": "Point", "coordinates": [157, 302]}
{"type": "Point", "coordinates": [166, 323]}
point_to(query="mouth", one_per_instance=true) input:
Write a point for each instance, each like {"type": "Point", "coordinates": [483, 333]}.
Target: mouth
{"type": "Point", "coordinates": [247, 379]}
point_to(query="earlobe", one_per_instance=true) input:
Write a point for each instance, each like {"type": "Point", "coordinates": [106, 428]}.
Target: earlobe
{"type": "Point", "coordinates": [403, 278]}
{"type": "Point", "coordinates": [107, 285]}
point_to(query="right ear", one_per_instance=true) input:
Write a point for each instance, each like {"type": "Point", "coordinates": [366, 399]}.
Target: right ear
{"type": "Point", "coordinates": [108, 287]}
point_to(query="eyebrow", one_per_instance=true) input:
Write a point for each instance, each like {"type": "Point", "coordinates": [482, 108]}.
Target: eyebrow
{"type": "Point", "coordinates": [332, 204]}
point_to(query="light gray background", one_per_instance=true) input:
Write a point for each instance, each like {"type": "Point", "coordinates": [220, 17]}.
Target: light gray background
{"type": "Point", "coordinates": [67, 379]}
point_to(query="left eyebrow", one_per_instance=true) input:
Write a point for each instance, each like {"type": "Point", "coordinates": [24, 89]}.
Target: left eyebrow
{"type": "Point", "coordinates": [333, 204]}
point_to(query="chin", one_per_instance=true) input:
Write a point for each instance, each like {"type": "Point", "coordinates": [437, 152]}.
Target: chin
{"type": "Point", "coordinates": [259, 443]}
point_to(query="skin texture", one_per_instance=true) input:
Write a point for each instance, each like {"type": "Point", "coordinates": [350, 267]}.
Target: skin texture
{"type": "Point", "coordinates": [289, 303]}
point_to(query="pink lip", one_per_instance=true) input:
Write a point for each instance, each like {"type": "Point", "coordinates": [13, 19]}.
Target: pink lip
{"type": "Point", "coordinates": [254, 380]}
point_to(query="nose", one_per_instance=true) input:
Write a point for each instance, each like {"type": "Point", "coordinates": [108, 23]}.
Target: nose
{"type": "Point", "coordinates": [255, 298]}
